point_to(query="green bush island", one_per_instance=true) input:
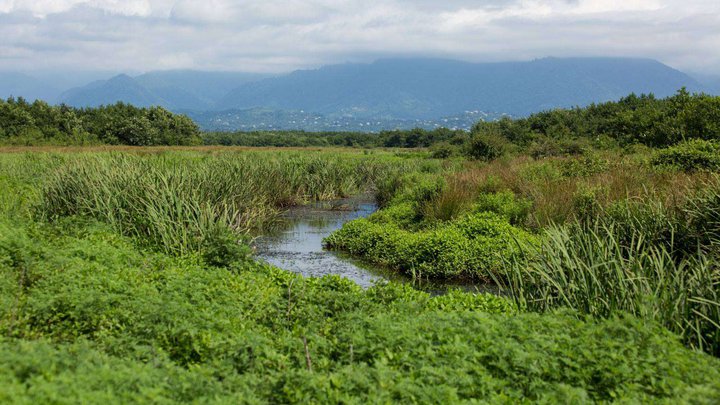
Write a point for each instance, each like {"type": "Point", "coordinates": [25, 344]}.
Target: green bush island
{"type": "Point", "coordinates": [474, 246]}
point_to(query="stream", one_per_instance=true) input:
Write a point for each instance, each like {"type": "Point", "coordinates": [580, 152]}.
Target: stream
{"type": "Point", "coordinates": [295, 244]}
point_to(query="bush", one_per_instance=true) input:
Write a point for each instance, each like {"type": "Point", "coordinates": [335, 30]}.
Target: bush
{"type": "Point", "coordinates": [474, 246]}
{"type": "Point", "coordinates": [443, 150]}
{"type": "Point", "coordinates": [689, 156]}
{"type": "Point", "coordinates": [584, 166]}
{"type": "Point", "coordinates": [564, 146]}
{"type": "Point", "coordinates": [486, 146]}
{"type": "Point", "coordinates": [504, 203]}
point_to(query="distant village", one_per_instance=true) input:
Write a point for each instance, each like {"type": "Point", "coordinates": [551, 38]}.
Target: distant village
{"type": "Point", "coordinates": [265, 119]}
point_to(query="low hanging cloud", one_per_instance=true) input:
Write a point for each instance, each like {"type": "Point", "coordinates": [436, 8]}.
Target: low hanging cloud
{"type": "Point", "coordinates": [274, 36]}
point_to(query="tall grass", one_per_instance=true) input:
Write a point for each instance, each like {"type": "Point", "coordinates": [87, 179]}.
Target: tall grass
{"type": "Point", "coordinates": [657, 263]}
{"type": "Point", "coordinates": [184, 203]}
{"type": "Point", "coordinates": [563, 189]}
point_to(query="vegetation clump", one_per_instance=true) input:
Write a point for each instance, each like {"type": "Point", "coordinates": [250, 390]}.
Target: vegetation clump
{"type": "Point", "coordinates": [693, 155]}
{"type": "Point", "coordinates": [38, 123]}
{"type": "Point", "coordinates": [475, 246]}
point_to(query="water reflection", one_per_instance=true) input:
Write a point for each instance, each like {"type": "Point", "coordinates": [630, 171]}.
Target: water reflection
{"type": "Point", "coordinates": [295, 244]}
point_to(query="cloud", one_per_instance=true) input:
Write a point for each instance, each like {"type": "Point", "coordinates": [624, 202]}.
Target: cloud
{"type": "Point", "coordinates": [281, 36]}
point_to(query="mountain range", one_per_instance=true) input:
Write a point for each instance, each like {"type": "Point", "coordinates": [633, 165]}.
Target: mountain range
{"type": "Point", "coordinates": [385, 90]}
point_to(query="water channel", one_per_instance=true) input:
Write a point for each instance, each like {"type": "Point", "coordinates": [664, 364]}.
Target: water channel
{"type": "Point", "coordinates": [296, 245]}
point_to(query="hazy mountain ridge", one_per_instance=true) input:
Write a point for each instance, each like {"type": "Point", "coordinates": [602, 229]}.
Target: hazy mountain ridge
{"type": "Point", "coordinates": [388, 90]}
{"type": "Point", "coordinates": [425, 88]}
{"type": "Point", "coordinates": [174, 89]}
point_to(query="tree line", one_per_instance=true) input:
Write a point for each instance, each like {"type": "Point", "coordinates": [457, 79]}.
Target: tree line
{"type": "Point", "coordinates": [39, 123]}
{"type": "Point", "coordinates": [635, 119]}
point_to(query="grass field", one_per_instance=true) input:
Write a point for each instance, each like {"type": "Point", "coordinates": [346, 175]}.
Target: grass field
{"type": "Point", "coordinates": [125, 277]}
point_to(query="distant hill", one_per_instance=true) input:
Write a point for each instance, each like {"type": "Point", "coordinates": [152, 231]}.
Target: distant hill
{"type": "Point", "coordinates": [711, 83]}
{"type": "Point", "coordinates": [388, 93]}
{"type": "Point", "coordinates": [427, 88]}
{"type": "Point", "coordinates": [174, 89]}
{"type": "Point", "coordinates": [103, 92]}
{"type": "Point", "coordinates": [21, 85]}
{"type": "Point", "coordinates": [200, 89]}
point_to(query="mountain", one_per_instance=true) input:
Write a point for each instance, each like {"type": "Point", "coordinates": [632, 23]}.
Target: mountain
{"type": "Point", "coordinates": [388, 93]}
{"type": "Point", "coordinates": [175, 89]}
{"type": "Point", "coordinates": [431, 88]}
{"type": "Point", "coordinates": [21, 85]}
{"type": "Point", "coordinates": [194, 90]}
{"type": "Point", "coordinates": [710, 82]}
{"type": "Point", "coordinates": [119, 88]}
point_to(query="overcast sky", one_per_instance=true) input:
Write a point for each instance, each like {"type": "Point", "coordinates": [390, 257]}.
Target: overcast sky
{"type": "Point", "coordinates": [278, 36]}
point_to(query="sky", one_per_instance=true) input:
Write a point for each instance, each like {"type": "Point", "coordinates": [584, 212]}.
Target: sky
{"type": "Point", "coordinates": [280, 36]}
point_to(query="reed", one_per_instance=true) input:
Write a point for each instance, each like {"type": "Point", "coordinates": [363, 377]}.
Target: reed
{"type": "Point", "coordinates": [184, 203]}
{"type": "Point", "coordinates": [601, 270]}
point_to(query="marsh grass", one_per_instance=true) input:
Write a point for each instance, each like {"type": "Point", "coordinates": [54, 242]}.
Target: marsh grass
{"type": "Point", "coordinates": [656, 262]}
{"type": "Point", "coordinates": [183, 203]}
{"type": "Point", "coordinates": [563, 190]}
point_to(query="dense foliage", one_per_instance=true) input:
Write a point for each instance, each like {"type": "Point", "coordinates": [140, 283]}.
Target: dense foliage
{"type": "Point", "coordinates": [634, 119]}
{"type": "Point", "coordinates": [414, 138]}
{"type": "Point", "coordinates": [87, 315]}
{"type": "Point", "coordinates": [413, 236]}
{"type": "Point", "coordinates": [696, 154]}
{"type": "Point", "coordinates": [38, 123]}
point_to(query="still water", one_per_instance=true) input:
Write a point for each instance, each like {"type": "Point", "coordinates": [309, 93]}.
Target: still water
{"type": "Point", "coordinates": [296, 245]}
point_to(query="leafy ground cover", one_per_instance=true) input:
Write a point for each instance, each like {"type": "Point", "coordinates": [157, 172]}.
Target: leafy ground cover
{"type": "Point", "coordinates": [87, 317]}
{"type": "Point", "coordinates": [93, 310]}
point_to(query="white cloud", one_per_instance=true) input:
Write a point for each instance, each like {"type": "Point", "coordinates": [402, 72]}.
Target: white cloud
{"type": "Point", "coordinates": [43, 8]}
{"type": "Point", "coordinates": [279, 36]}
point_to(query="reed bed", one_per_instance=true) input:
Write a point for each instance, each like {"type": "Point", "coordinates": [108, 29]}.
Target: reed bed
{"type": "Point", "coordinates": [184, 203]}
{"type": "Point", "coordinates": [656, 262]}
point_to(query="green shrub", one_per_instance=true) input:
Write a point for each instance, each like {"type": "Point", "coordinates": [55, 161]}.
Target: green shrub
{"type": "Point", "coordinates": [443, 150]}
{"type": "Point", "coordinates": [584, 166]}
{"type": "Point", "coordinates": [404, 215]}
{"type": "Point", "coordinates": [504, 203]}
{"type": "Point", "coordinates": [692, 155]}
{"type": "Point", "coordinates": [486, 146]}
{"type": "Point", "coordinates": [587, 202]}
{"type": "Point", "coordinates": [563, 146]}
{"type": "Point", "coordinates": [474, 246]}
